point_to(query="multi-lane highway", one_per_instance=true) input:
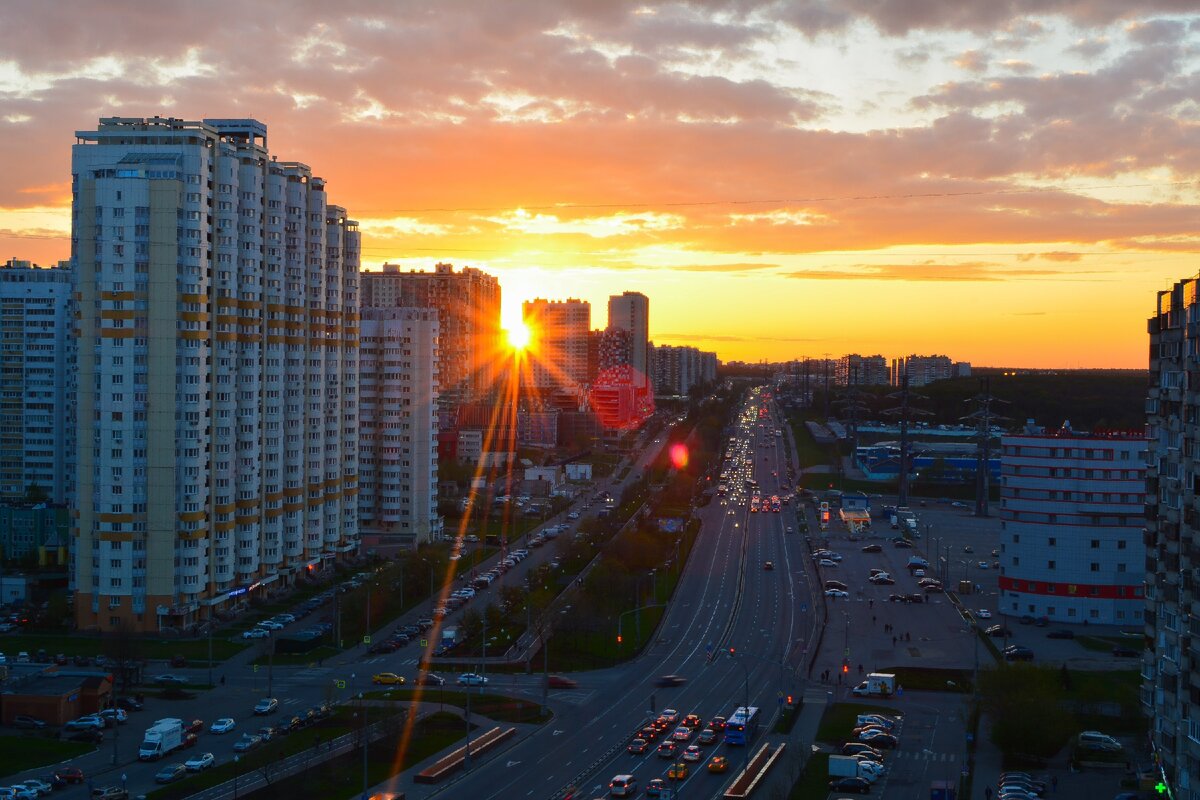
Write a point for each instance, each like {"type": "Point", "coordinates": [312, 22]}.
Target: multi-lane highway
{"type": "Point", "coordinates": [726, 600]}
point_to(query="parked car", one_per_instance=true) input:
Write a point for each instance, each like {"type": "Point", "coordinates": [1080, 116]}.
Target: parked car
{"type": "Point", "coordinates": [171, 773]}
{"type": "Point", "coordinates": [91, 722]}
{"type": "Point", "coordinates": [170, 680]}
{"type": "Point", "coordinates": [248, 742]}
{"type": "Point", "coordinates": [1063, 634]}
{"type": "Point", "coordinates": [857, 785]}
{"type": "Point", "coordinates": [110, 793]}
{"type": "Point", "coordinates": [26, 722]}
{"type": "Point", "coordinates": [129, 704]}
{"type": "Point", "coordinates": [201, 762]}
{"type": "Point", "coordinates": [1016, 652]}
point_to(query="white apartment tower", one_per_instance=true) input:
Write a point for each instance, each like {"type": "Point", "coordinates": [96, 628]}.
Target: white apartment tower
{"type": "Point", "coordinates": [37, 367]}
{"type": "Point", "coordinates": [398, 464]}
{"type": "Point", "coordinates": [217, 371]}
{"type": "Point", "coordinates": [630, 311]}
{"type": "Point", "coordinates": [559, 329]}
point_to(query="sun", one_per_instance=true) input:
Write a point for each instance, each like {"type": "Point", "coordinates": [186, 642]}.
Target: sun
{"type": "Point", "coordinates": [519, 336]}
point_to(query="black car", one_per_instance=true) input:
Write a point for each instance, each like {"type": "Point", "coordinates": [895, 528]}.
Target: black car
{"type": "Point", "coordinates": [858, 748]}
{"type": "Point", "coordinates": [383, 647]}
{"type": "Point", "coordinates": [1026, 620]}
{"type": "Point", "coordinates": [858, 785]}
{"type": "Point", "coordinates": [914, 598]}
{"type": "Point", "coordinates": [901, 543]}
{"type": "Point", "coordinates": [872, 548]}
{"type": "Point", "coordinates": [1015, 652]}
{"type": "Point", "coordinates": [667, 681]}
{"type": "Point", "coordinates": [1125, 652]}
{"type": "Point", "coordinates": [429, 679]}
{"type": "Point", "coordinates": [998, 630]}
{"type": "Point", "coordinates": [1060, 635]}
{"type": "Point", "coordinates": [1042, 622]}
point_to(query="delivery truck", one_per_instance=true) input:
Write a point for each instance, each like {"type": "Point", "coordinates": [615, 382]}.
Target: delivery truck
{"type": "Point", "coordinates": [877, 684]}
{"type": "Point", "coordinates": [163, 737]}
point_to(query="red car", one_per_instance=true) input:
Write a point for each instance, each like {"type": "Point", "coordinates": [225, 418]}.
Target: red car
{"type": "Point", "coordinates": [195, 726]}
{"type": "Point", "coordinates": [190, 740]}
{"type": "Point", "coordinates": [559, 682]}
{"type": "Point", "coordinates": [70, 774]}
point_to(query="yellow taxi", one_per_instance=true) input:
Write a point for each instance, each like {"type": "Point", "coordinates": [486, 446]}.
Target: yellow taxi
{"type": "Point", "coordinates": [678, 772]}
{"type": "Point", "coordinates": [718, 764]}
{"type": "Point", "coordinates": [388, 679]}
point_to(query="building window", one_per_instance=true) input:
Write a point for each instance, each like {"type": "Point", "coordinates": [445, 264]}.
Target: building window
{"type": "Point", "coordinates": [1049, 565]}
{"type": "Point", "coordinates": [1095, 567]}
{"type": "Point", "coordinates": [1095, 544]}
{"type": "Point", "coordinates": [1053, 541]}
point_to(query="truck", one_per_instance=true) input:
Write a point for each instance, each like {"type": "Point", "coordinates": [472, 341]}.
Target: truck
{"type": "Point", "coordinates": [877, 684]}
{"type": "Point", "coordinates": [161, 738]}
{"type": "Point", "coordinates": [851, 767]}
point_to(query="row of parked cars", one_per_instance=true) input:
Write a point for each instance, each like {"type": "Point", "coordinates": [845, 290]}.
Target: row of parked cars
{"type": "Point", "coordinates": [860, 763]}
{"type": "Point", "coordinates": [59, 779]}
{"type": "Point", "coordinates": [400, 637]}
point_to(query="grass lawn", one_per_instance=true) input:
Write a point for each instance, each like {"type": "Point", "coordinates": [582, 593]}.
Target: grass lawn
{"type": "Point", "coordinates": [932, 679]}
{"type": "Point", "coordinates": [194, 650]}
{"type": "Point", "coordinates": [493, 706]}
{"type": "Point", "coordinates": [1102, 644]}
{"type": "Point", "coordinates": [19, 753]}
{"type": "Point", "coordinates": [311, 658]}
{"type": "Point", "coordinates": [838, 720]}
{"type": "Point", "coordinates": [814, 781]}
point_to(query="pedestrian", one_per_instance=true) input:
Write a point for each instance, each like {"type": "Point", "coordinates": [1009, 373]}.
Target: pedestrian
{"type": "Point", "coordinates": [871, 604]}
{"type": "Point", "coordinates": [1054, 782]}
{"type": "Point", "coordinates": [987, 793]}
{"type": "Point", "coordinates": [222, 680]}
{"type": "Point", "coordinates": [893, 641]}
{"type": "Point", "coordinates": [872, 619]}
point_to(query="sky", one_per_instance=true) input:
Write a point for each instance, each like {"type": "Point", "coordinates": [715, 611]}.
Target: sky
{"type": "Point", "coordinates": [1007, 182]}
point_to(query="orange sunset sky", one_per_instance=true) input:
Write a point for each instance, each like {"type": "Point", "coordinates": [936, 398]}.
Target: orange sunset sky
{"type": "Point", "coordinates": [1004, 181]}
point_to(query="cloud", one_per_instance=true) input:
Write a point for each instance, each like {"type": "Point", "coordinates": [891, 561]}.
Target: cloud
{"type": "Point", "coordinates": [971, 61]}
{"type": "Point", "coordinates": [928, 271]}
{"type": "Point", "coordinates": [713, 337]}
{"type": "Point", "coordinates": [1059, 255]}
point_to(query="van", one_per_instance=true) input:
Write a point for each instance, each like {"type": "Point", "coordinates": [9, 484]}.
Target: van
{"type": "Point", "coordinates": [1094, 740]}
{"type": "Point", "coordinates": [622, 786]}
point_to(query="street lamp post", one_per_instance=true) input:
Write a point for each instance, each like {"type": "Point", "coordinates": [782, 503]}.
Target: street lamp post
{"type": "Point", "coordinates": [363, 700]}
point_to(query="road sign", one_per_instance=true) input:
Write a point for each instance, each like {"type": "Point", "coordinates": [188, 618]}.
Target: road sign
{"type": "Point", "coordinates": [341, 684]}
{"type": "Point", "coordinates": [424, 643]}
{"type": "Point", "coordinates": [367, 639]}
{"type": "Point", "coordinates": [803, 607]}
{"type": "Point", "coordinates": [256, 667]}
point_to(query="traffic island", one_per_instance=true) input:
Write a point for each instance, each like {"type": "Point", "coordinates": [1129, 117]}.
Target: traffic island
{"type": "Point", "coordinates": [749, 778]}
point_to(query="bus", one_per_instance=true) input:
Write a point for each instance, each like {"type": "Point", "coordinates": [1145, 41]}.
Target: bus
{"type": "Point", "coordinates": [742, 725]}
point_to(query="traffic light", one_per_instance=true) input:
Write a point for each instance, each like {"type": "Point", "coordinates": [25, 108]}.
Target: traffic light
{"type": "Point", "coordinates": [845, 669]}
{"type": "Point", "coordinates": [732, 651]}
{"type": "Point", "coordinates": [790, 700]}
{"type": "Point", "coordinates": [618, 638]}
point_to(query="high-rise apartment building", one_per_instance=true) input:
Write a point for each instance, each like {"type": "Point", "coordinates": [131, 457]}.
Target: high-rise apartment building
{"type": "Point", "coordinates": [630, 311]}
{"type": "Point", "coordinates": [1072, 511]}
{"type": "Point", "coordinates": [922, 370]}
{"type": "Point", "coordinates": [856, 370]}
{"type": "Point", "coordinates": [675, 370]}
{"type": "Point", "coordinates": [470, 340]}
{"type": "Point", "coordinates": [1171, 683]}
{"type": "Point", "coordinates": [559, 353]}
{"type": "Point", "coordinates": [217, 371]}
{"type": "Point", "coordinates": [37, 368]}
{"type": "Point", "coordinates": [398, 454]}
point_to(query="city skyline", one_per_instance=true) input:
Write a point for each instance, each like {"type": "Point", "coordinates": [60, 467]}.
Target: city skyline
{"type": "Point", "coordinates": [780, 180]}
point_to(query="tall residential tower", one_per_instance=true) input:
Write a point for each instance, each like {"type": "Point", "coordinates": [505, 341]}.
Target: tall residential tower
{"type": "Point", "coordinates": [217, 370]}
{"type": "Point", "coordinates": [630, 311]}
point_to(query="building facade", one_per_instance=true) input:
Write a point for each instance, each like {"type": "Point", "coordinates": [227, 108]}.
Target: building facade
{"type": "Point", "coordinates": [559, 330]}
{"type": "Point", "coordinates": [1072, 514]}
{"type": "Point", "coordinates": [398, 409]}
{"type": "Point", "coordinates": [857, 370]}
{"type": "Point", "coordinates": [676, 370]}
{"type": "Point", "coordinates": [37, 532]}
{"type": "Point", "coordinates": [1171, 684]}
{"type": "Point", "coordinates": [922, 370]}
{"type": "Point", "coordinates": [37, 367]}
{"type": "Point", "coordinates": [470, 340]}
{"type": "Point", "coordinates": [630, 312]}
{"type": "Point", "coordinates": [218, 369]}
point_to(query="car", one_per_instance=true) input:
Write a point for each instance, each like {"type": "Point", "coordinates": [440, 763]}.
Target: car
{"type": "Point", "coordinates": [471, 679]}
{"type": "Point", "coordinates": [1095, 740]}
{"type": "Point", "coordinates": [1061, 634]}
{"type": "Point", "coordinates": [666, 750]}
{"type": "Point", "coordinates": [1125, 652]}
{"type": "Point", "coordinates": [872, 726]}
{"type": "Point", "coordinates": [248, 742]}
{"type": "Point", "coordinates": [267, 733]}
{"type": "Point", "coordinates": [118, 715]}
{"type": "Point", "coordinates": [189, 741]}
{"type": "Point", "coordinates": [858, 748]}
{"type": "Point", "coordinates": [1026, 619]}
{"type": "Point", "coordinates": [129, 704]}
{"type": "Point", "coordinates": [836, 585]}
{"type": "Point", "coordinates": [270, 625]}
{"type": "Point", "coordinates": [902, 543]}
{"type": "Point", "coordinates": [682, 734]}
{"type": "Point", "coordinates": [877, 738]}
{"type": "Point", "coordinates": [27, 722]}
{"type": "Point", "coordinates": [692, 753]}
{"type": "Point", "coordinates": [657, 787]}
{"type": "Point", "coordinates": [637, 746]}
{"type": "Point", "coordinates": [38, 787]}
{"type": "Point", "coordinates": [878, 719]}
{"type": "Point", "coordinates": [836, 593]}
{"type": "Point", "coordinates": [998, 630]}
{"type": "Point", "coordinates": [268, 705]}
{"type": "Point", "coordinates": [670, 715]}
{"type": "Point", "coordinates": [858, 785]}
{"type": "Point", "coordinates": [918, 573]}
{"type": "Point", "coordinates": [195, 726]}
{"type": "Point", "coordinates": [171, 773]}
{"type": "Point", "coordinates": [983, 613]}
{"type": "Point", "coordinates": [392, 679]}
{"type": "Point", "coordinates": [170, 680]}
{"type": "Point", "coordinates": [256, 633]}
{"type": "Point", "coordinates": [872, 548]}
{"type": "Point", "coordinates": [768, 565]}
{"type": "Point", "coordinates": [882, 580]}
{"type": "Point", "coordinates": [383, 648]}
{"type": "Point", "coordinates": [914, 598]}
{"type": "Point", "coordinates": [649, 733]}
{"type": "Point", "coordinates": [678, 772]}
{"type": "Point", "coordinates": [827, 562]}
{"type": "Point", "coordinates": [983, 565]}
{"type": "Point", "coordinates": [429, 679]}
{"type": "Point", "coordinates": [110, 793]}
{"type": "Point", "coordinates": [669, 681]}
{"type": "Point", "coordinates": [718, 764]}
{"type": "Point", "coordinates": [223, 725]}
{"type": "Point", "coordinates": [1016, 652]}
{"type": "Point", "coordinates": [201, 762]}
{"type": "Point", "coordinates": [71, 774]}
{"type": "Point", "coordinates": [90, 722]}
{"type": "Point", "coordinates": [574, 515]}
{"type": "Point", "coordinates": [179, 661]}
{"type": "Point", "coordinates": [692, 721]}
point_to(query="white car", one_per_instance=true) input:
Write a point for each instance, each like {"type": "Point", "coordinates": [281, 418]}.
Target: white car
{"type": "Point", "coordinates": [692, 753]}
{"type": "Point", "coordinates": [256, 633]}
{"type": "Point", "coordinates": [983, 613]}
{"type": "Point", "coordinates": [271, 625]}
{"type": "Point", "coordinates": [982, 565]}
{"type": "Point", "coordinates": [471, 679]}
{"type": "Point", "coordinates": [201, 762]}
{"type": "Point", "coordinates": [827, 562]}
{"type": "Point", "coordinates": [574, 515]}
{"type": "Point", "coordinates": [223, 725]}
{"type": "Point", "coordinates": [285, 619]}
{"type": "Point", "coordinates": [836, 593]}
{"type": "Point", "coordinates": [41, 787]}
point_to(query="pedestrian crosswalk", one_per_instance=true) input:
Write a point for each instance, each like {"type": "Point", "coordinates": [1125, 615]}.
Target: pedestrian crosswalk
{"type": "Point", "coordinates": [313, 672]}
{"type": "Point", "coordinates": [925, 755]}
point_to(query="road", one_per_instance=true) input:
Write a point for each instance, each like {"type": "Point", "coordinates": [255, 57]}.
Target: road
{"type": "Point", "coordinates": [725, 599]}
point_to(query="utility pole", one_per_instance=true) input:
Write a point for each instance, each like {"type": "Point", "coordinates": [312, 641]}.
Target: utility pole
{"type": "Point", "coordinates": [904, 411]}
{"type": "Point", "coordinates": [983, 416]}
{"type": "Point", "coordinates": [210, 658]}
{"type": "Point", "coordinates": [363, 699]}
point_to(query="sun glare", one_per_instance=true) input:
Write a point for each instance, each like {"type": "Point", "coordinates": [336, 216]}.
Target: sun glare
{"type": "Point", "coordinates": [519, 336]}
